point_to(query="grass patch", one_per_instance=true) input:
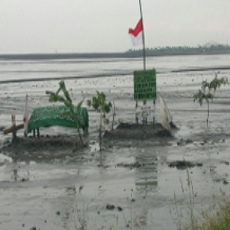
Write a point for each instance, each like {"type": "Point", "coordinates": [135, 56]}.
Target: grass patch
{"type": "Point", "coordinates": [217, 218]}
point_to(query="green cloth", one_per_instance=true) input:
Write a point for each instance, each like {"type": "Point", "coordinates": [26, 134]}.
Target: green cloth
{"type": "Point", "coordinates": [57, 116]}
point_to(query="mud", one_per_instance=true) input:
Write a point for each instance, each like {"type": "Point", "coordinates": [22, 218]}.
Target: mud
{"type": "Point", "coordinates": [128, 131]}
{"type": "Point", "coordinates": [34, 148]}
{"type": "Point", "coordinates": [57, 188]}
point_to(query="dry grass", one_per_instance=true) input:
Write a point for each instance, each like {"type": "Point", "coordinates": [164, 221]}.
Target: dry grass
{"type": "Point", "coordinates": [217, 218]}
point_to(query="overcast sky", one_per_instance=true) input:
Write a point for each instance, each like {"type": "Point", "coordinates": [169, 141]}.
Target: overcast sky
{"type": "Point", "coordinates": [48, 26]}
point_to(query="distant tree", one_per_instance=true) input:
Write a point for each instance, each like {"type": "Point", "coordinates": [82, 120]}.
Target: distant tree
{"type": "Point", "coordinates": [207, 48]}
{"type": "Point", "coordinates": [207, 92]}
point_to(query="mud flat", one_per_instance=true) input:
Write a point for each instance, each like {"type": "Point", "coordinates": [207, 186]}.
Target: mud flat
{"type": "Point", "coordinates": [59, 146]}
{"type": "Point", "coordinates": [144, 168]}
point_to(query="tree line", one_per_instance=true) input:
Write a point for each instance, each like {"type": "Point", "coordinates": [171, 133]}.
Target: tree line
{"type": "Point", "coordinates": [182, 50]}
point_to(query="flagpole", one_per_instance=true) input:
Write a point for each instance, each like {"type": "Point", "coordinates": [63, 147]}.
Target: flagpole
{"type": "Point", "coordinates": [143, 36]}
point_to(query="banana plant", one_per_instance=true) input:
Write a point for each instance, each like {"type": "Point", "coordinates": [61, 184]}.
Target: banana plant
{"type": "Point", "coordinates": [66, 99]}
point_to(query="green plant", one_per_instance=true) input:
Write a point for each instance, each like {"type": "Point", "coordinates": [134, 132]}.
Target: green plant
{"type": "Point", "coordinates": [207, 91]}
{"type": "Point", "coordinates": [66, 99]}
{"type": "Point", "coordinates": [100, 105]}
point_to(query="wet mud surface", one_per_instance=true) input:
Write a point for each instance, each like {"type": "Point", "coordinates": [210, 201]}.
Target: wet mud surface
{"type": "Point", "coordinates": [36, 148]}
{"type": "Point", "coordinates": [56, 188]}
{"type": "Point", "coordinates": [33, 147]}
{"type": "Point", "coordinates": [132, 131]}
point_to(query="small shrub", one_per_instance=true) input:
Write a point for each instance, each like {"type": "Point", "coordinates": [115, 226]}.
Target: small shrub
{"type": "Point", "coordinates": [100, 105]}
{"type": "Point", "coordinates": [207, 91]}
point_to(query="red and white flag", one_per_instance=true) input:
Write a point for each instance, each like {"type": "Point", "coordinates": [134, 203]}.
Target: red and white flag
{"type": "Point", "coordinates": [136, 34]}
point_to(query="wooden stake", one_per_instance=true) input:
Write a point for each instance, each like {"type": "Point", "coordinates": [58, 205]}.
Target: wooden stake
{"type": "Point", "coordinates": [14, 128]}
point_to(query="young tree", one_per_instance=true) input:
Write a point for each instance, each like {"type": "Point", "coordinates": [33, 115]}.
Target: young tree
{"type": "Point", "coordinates": [207, 91]}
{"type": "Point", "coordinates": [66, 99]}
{"type": "Point", "coordinates": [100, 105]}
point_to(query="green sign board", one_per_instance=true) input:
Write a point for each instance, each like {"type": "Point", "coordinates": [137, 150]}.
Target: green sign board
{"type": "Point", "coordinates": [144, 84]}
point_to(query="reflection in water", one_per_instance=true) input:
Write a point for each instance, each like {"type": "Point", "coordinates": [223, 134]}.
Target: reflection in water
{"type": "Point", "coordinates": [146, 185]}
{"type": "Point", "coordinates": [146, 175]}
{"type": "Point", "coordinates": [15, 171]}
{"type": "Point", "coordinates": [20, 170]}
{"type": "Point", "coordinates": [141, 219]}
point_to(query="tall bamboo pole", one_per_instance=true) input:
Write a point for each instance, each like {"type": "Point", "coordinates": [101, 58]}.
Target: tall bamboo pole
{"type": "Point", "coordinates": [143, 37]}
{"type": "Point", "coordinates": [144, 56]}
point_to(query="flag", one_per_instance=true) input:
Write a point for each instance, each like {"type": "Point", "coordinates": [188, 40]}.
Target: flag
{"type": "Point", "coordinates": [136, 34]}
{"type": "Point", "coordinates": [26, 116]}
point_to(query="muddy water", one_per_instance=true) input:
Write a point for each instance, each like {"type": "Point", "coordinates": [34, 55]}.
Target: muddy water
{"type": "Point", "coordinates": [73, 191]}
{"type": "Point", "coordinates": [52, 197]}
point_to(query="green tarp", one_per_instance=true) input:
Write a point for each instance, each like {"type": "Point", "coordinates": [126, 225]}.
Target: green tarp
{"type": "Point", "coordinates": [57, 116]}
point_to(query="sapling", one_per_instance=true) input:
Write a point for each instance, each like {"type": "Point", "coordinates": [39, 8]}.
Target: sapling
{"type": "Point", "coordinates": [207, 92]}
{"type": "Point", "coordinates": [114, 114]}
{"type": "Point", "coordinates": [100, 105]}
{"type": "Point", "coordinates": [66, 99]}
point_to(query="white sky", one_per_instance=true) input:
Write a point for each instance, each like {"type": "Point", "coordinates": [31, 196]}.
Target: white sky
{"type": "Point", "coordinates": [47, 26]}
